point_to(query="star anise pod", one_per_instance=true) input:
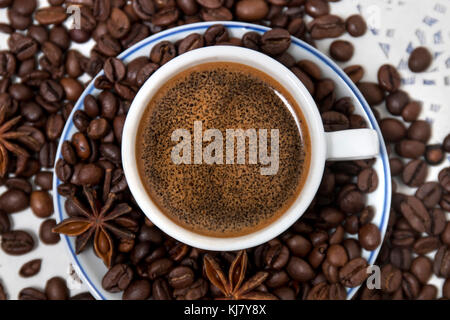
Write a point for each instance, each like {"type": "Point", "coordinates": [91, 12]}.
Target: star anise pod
{"type": "Point", "coordinates": [97, 220]}
{"type": "Point", "coordinates": [234, 287]}
{"type": "Point", "coordinates": [6, 146]}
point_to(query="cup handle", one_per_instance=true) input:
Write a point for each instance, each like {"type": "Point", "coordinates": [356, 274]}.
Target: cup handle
{"type": "Point", "coordinates": [354, 144]}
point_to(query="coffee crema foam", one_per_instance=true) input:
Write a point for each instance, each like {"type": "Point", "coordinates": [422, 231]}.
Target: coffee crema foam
{"type": "Point", "coordinates": [222, 200]}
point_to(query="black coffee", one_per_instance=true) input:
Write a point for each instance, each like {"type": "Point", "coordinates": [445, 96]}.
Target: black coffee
{"type": "Point", "coordinates": [220, 151]}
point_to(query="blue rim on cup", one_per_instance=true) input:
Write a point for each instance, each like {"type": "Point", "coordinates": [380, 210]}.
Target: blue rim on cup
{"type": "Point", "coordinates": [201, 27]}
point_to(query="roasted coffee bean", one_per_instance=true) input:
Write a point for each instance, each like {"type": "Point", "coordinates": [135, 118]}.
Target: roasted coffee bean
{"type": "Point", "coordinates": [299, 246]}
{"type": "Point", "coordinates": [419, 130]}
{"type": "Point", "coordinates": [72, 88]}
{"type": "Point", "coordinates": [310, 68]}
{"type": "Point", "coordinates": [251, 10]}
{"type": "Point", "coordinates": [162, 52]}
{"type": "Point", "coordinates": [138, 290]}
{"type": "Point", "coordinates": [31, 268]}
{"type": "Point", "coordinates": [351, 200]}
{"type": "Point", "coordinates": [19, 183]}
{"type": "Point", "coordinates": [56, 289]}
{"type": "Point", "coordinates": [117, 278]}
{"type": "Point", "coordinates": [181, 277]}
{"type": "Point", "coordinates": [275, 42]}
{"type": "Point", "coordinates": [108, 46]}
{"type": "Point", "coordinates": [20, 92]}
{"type": "Point", "coordinates": [277, 256]}
{"type": "Point", "coordinates": [46, 233]}
{"type": "Point", "coordinates": [336, 255]}
{"type": "Point", "coordinates": [331, 216]}
{"type": "Point", "coordinates": [277, 279]}
{"type": "Point", "coordinates": [428, 292]}
{"type": "Point", "coordinates": [388, 78]}
{"type": "Point", "coordinates": [24, 7]}
{"type": "Point", "coordinates": [68, 153]}
{"type": "Point", "coordinates": [422, 269]}
{"type": "Point", "coordinates": [353, 248]}
{"type": "Point", "coordinates": [410, 148]}
{"type": "Point", "coordinates": [410, 285]}
{"type": "Point", "coordinates": [299, 269]}
{"type": "Point", "coordinates": [403, 238]}
{"type": "Point", "coordinates": [445, 235]}
{"type": "Point", "coordinates": [219, 14]}
{"type": "Point", "coordinates": [442, 262]}
{"type": "Point", "coordinates": [52, 52]}
{"type": "Point", "coordinates": [327, 26]}
{"type": "Point", "coordinates": [145, 73]}
{"type": "Point", "coordinates": [161, 290]}
{"type": "Point", "coordinates": [14, 200]}
{"type": "Point", "coordinates": [396, 166]}
{"type": "Point", "coordinates": [355, 72]}
{"type": "Point", "coordinates": [355, 25]}
{"type": "Point", "coordinates": [393, 130]}
{"type": "Point", "coordinates": [31, 294]}
{"type": "Point", "coordinates": [401, 258]}
{"type": "Point", "coordinates": [51, 91]}
{"type": "Point", "coordinates": [446, 143]}
{"type": "Point", "coordinates": [396, 102]}
{"type": "Point", "coordinates": [54, 126]}
{"type": "Point", "coordinates": [354, 273]}
{"type": "Point", "coordinates": [334, 121]}
{"type": "Point", "coordinates": [191, 42]}
{"type": "Point", "coordinates": [41, 203]}
{"type": "Point", "coordinates": [341, 50]}
{"type": "Point", "coordinates": [5, 224]}
{"type": "Point", "coordinates": [426, 245]}
{"type": "Point", "coordinates": [18, 21]}
{"type": "Point", "coordinates": [137, 33]}
{"type": "Point", "coordinates": [189, 7]}
{"type": "Point", "coordinates": [159, 267]}
{"type": "Point", "coordinates": [81, 145]}
{"type": "Point", "coordinates": [367, 180]}
{"type": "Point", "coordinates": [118, 23]}
{"type": "Point", "coordinates": [167, 16]}
{"type": "Point", "coordinates": [417, 215]}
{"type": "Point", "coordinates": [415, 173]}
{"type": "Point", "coordinates": [144, 9]}
{"type": "Point", "coordinates": [215, 34]}
{"type": "Point", "coordinates": [434, 154]}
{"type": "Point", "coordinates": [89, 174]}
{"type": "Point", "coordinates": [115, 70]}
{"type": "Point", "coordinates": [444, 179]}
{"type": "Point", "coordinates": [60, 36]}
{"type": "Point", "coordinates": [420, 59]}
{"type": "Point", "coordinates": [7, 64]}
{"type": "Point", "coordinates": [317, 8]}
{"type": "Point", "coordinates": [369, 236]}
{"type": "Point", "coordinates": [446, 289]}
{"type": "Point", "coordinates": [22, 46]}
{"type": "Point", "coordinates": [430, 193]}
{"type": "Point", "coordinates": [372, 92]}
{"type": "Point", "coordinates": [82, 296]}
{"type": "Point", "coordinates": [391, 278]}
{"type": "Point", "coordinates": [411, 111]}
{"type": "Point", "coordinates": [51, 15]}
{"type": "Point", "coordinates": [17, 242]}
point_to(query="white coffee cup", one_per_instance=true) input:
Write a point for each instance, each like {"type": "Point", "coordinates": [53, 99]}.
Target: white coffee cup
{"type": "Point", "coordinates": [341, 145]}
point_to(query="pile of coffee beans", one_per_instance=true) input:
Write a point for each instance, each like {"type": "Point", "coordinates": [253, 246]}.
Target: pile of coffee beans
{"type": "Point", "coordinates": [154, 265]}
{"type": "Point", "coordinates": [40, 80]}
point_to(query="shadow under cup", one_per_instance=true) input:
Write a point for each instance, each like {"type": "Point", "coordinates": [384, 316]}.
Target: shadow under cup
{"type": "Point", "coordinates": [306, 114]}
